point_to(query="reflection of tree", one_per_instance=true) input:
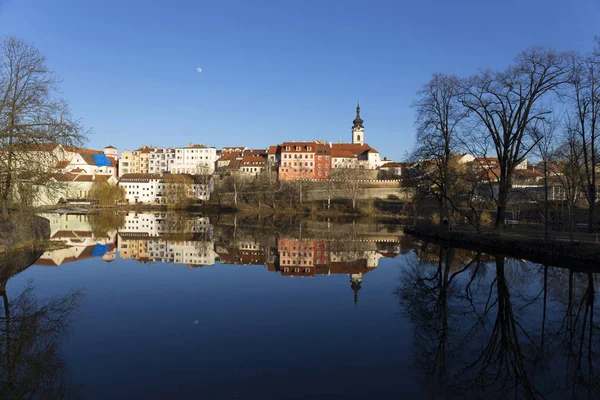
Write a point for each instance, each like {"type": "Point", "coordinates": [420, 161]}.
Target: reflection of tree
{"type": "Point", "coordinates": [106, 221]}
{"type": "Point", "coordinates": [495, 334]}
{"type": "Point", "coordinates": [30, 334]}
{"type": "Point", "coordinates": [426, 290]}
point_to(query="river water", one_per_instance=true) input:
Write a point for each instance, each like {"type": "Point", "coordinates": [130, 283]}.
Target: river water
{"type": "Point", "coordinates": [159, 305]}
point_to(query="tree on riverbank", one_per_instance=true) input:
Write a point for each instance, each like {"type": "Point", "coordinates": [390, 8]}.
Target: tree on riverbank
{"type": "Point", "coordinates": [350, 182]}
{"type": "Point", "coordinates": [106, 194]}
{"type": "Point", "coordinates": [32, 118]}
{"type": "Point", "coordinates": [438, 116]}
{"type": "Point", "coordinates": [504, 105]}
{"type": "Point", "coordinates": [584, 119]}
{"type": "Point", "coordinates": [179, 192]}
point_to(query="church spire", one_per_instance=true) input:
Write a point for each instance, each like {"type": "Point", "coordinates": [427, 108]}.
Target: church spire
{"type": "Point", "coordinates": [358, 122]}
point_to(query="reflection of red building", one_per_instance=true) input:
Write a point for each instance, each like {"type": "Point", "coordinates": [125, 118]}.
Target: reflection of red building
{"type": "Point", "coordinates": [299, 257]}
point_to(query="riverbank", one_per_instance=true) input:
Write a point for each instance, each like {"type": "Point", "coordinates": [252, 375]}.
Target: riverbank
{"type": "Point", "coordinates": [19, 230]}
{"type": "Point", "coordinates": [337, 209]}
{"type": "Point", "coordinates": [582, 255]}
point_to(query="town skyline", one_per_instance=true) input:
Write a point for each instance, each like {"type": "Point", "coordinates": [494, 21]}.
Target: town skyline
{"type": "Point", "coordinates": [266, 73]}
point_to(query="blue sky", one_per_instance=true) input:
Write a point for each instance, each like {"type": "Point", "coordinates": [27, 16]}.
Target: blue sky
{"type": "Point", "coordinates": [276, 70]}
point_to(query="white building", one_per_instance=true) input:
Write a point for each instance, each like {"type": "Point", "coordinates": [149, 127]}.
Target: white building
{"type": "Point", "coordinates": [71, 186]}
{"type": "Point", "coordinates": [196, 159]}
{"type": "Point", "coordinates": [152, 188]}
{"type": "Point", "coordinates": [161, 160]}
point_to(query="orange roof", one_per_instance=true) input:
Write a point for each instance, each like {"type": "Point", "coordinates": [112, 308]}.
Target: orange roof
{"type": "Point", "coordinates": [258, 152]}
{"type": "Point", "coordinates": [62, 164]}
{"type": "Point", "coordinates": [274, 149]}
{"type": "Point", "coordinates": [340, 153]}
{"type": "Point", "coordinates": [229, 156]}
{"type": "Point", "coordinates": [356, 149]}
{"type": "Point", "coordinates": [391, 164]}
{"type": "Point", "coordinates": [253, 160]}
{"type": "Point", "coordinates": [299, 147]}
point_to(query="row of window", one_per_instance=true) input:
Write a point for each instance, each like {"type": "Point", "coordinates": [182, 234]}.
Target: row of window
{"type": "Point", "coordinates": [285, 164]}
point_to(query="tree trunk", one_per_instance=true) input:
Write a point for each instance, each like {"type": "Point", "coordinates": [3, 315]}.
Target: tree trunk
{"type": "Point", "coordinates": [546, 212]}
{"type": "Point", "coordinates": [501, 209]}
{"type": "Point", "coordinates": [592, 197]}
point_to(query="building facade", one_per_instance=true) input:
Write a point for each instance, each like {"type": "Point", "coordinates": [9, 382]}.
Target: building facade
{"type": "Point", "coordinates": [153, 188]}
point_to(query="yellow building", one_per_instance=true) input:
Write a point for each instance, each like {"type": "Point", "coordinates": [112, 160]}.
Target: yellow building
{"type": "Point", "coordinates": [135, 162]}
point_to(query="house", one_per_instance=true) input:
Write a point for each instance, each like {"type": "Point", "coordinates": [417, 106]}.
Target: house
{"type": "Point", "coordinates": [252, 165]}
{"type": "Point", "coordinates": [226, 158]}
{"type": "Point", "coordinates": [72, 186]}
{"type": "Point", "coordinates": [135, 162]}
{"type": "Point", "coordinates": [392, 167]}
{"type": "Point", "coordinates": [493, 163]}
{"type": "Point", "coordinates": [57, 158]}
{"type": "Point", "coordinates": [274, 155]}
{"type": "Point", "coordinates": [465, 158]}
{"type": "Point", "coordinates": [161, 161]}
{"type": "Point", "coordinates": [298, 161]}
{"type": "Point", "coordinates": [195, 159]}
{"type": "Point", "coordinates": [153, 188]}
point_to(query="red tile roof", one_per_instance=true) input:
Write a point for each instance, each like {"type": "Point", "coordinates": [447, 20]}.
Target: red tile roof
{"type": "Point", "coordinates": [274, 150]}
{"type": "Point", "coordinates": [391, 164]}
{"type": "Point", "coordinates": [252, 160]}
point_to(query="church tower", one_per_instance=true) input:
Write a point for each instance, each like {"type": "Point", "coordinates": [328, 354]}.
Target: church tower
{"type": "Point", "coordinates": [358, 130]}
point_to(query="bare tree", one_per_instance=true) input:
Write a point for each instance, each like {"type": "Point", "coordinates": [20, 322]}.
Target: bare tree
{"type": "Point", "coordinates": [179, 190]}
{"type": "Point", "coordinates": [438, 115]}
{"type": "Point", "coordinates": [350, 182]}
{"type": "Point", "coordinates": [32, 118]}
{"type": "Point", "coordinates": [236, 183]}
{"type": "Point", "coordinates": [543, 133]}
{"type": "Point", "coordinates": [504, 104]}
{"type": "Point", "coordinates": [585, 99]}
{"type": "Point", "coordinates": [568, 171]}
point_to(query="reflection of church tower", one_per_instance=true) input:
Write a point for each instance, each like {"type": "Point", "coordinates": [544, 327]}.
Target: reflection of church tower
{"type": "Point", "coordinates": [358, 130]}
{"type": "Point", "coordinates": [355, 281]}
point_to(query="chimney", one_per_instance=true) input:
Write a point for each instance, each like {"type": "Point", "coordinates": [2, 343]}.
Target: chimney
{"type": "Point", "coordinates": [330, 144]}
{"type": "Point", "coordinates": [191, 144]}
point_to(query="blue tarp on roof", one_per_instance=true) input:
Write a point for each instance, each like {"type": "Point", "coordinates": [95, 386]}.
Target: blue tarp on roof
{"type": "Point", "coordinates": [101, 160]}
{"type": "Point", "coordinates": [100, 250]}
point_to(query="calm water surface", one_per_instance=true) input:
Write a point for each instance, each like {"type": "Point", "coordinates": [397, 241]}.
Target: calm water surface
{"type": "Point", "coordinates": [156, 305]}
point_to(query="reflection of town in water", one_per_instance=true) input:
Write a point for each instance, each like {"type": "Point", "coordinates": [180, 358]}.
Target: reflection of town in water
{"type": "Point", "coordinates": [307, 250]}
{"type": "Point", "coordinates": [482, 326]}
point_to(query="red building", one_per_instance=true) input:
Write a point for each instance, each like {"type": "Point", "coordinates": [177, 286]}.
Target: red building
{"type": "Point", "coordinates": [304, 160]}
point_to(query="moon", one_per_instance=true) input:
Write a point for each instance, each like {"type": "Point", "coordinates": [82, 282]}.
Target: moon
{"type": "Point", "coordinates": [199, 69]}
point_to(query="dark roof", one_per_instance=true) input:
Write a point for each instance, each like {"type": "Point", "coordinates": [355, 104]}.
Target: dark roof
{"type": "Point", "coordinates": [358, 122]}
{"type": "Point", "coordinates": [139, 177]}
